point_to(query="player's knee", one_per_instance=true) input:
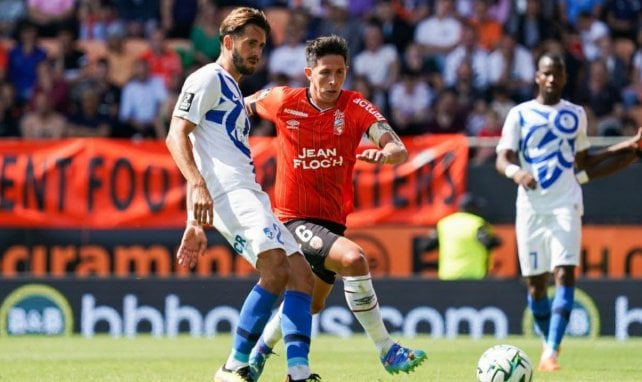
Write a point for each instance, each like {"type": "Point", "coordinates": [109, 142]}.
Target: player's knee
{"type": "Point", "coordinates": [274, 270]}
{"type": "Point", "coordinates": [354, 262]}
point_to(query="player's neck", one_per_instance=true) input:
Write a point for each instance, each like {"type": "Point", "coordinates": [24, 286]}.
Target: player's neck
{"type": "Point", "coordinates": [229, 67]}
{"type": "Point", "coordinates": [322, 106]}
{"type": "Point", "coordinates": [548, 101]}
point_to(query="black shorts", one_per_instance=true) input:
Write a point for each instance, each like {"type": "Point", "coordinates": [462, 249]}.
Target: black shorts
{"type": "Point", "coordinates": [316, 237]}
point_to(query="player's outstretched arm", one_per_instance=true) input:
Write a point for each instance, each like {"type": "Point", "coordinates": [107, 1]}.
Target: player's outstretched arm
{"type": "Point", "coordinates": [609, 160]}
{"type": "Point", "coordinates": [392, 149]}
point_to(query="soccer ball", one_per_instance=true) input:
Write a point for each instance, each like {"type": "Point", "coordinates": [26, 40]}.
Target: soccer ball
{"type": "Point", "coordinates": [504, 363]}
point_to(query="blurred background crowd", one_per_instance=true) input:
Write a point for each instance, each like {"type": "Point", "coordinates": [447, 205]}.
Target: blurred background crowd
{"type": "Point", "coordinates": [113, 68]}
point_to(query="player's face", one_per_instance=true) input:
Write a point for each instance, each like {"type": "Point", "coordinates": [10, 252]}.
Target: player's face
{"type": "Point", "coordinates": [550, 79]}
{"type": "Point", "coordinates": [247, 49]}
{"type": "Point", "coordinates": [326, 79]}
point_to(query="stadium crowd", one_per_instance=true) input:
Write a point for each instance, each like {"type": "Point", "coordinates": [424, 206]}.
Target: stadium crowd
{"type": "Point", "coordinates": [114, 68]}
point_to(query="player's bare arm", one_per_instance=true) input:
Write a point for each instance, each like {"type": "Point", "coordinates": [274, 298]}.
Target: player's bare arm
{"type": "Point", "coordinates": [507, 163]}
{"type": "Point", "coordinates": [200, 205]}
{"type": "Point", "coordinates": [391, 149]}
{"type": "Point", "coordinates": [611, 159]}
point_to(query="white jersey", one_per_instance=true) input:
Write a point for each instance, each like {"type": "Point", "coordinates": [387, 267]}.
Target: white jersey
{"type": "Point", "coordinates": [547, 138]}
{"type": "Point", "coordinates": [212, 100]}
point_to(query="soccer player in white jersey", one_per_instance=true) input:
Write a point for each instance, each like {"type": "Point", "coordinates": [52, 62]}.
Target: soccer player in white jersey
{"type": "Point", "coordinates": [544, 149]}
{"type": "Point", "coordinates": [208, 139]}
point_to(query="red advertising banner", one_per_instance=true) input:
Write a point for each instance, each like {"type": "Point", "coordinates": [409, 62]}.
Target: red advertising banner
{"type": "Point", "coordinates": [105, 184]}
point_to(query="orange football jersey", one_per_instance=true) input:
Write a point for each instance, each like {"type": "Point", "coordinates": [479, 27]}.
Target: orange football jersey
{"type": "Point", "coordinates": [316, 150]}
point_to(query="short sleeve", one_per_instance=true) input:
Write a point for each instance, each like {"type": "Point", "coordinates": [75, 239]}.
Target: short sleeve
{"type": "Point", "coordinates": [510, 132]}
{"type": "Point", "coordinates": [581, 141]}
{"type": "Point", "coordinates": [199, 94]}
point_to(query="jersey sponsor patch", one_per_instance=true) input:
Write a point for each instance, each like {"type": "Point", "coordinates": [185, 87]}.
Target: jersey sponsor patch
{"type": "Point", "coordinates": [186, 101]}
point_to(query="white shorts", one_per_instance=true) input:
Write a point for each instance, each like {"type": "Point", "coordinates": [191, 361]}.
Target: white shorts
{"type": "Point", "coordinates": [546, 241]}
{"type": "Point", "coordinates": [245, 218]}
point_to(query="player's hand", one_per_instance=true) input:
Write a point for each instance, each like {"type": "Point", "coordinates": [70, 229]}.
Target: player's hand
{"type": "Point", "coordinates": [372, 156]}
{"type": "Point", "coordinates": [192, 245]}
{"type": "Point", "coordinates": [524, 178]}
{"type": "Point", "coordinates": [202, 205]}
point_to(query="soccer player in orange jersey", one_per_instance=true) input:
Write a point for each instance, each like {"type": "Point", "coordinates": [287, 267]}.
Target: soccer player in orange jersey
{"type": "Point", "coordinates": [319, 129]}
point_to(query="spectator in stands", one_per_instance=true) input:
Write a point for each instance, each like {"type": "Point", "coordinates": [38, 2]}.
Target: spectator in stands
{"type": "Point", "coordinates": [623, 17]}
{"type": "Point", "coordinates": [439, 34]}
{"type": "Point", "coordinates": [50, 82]}
{"type": "Point", "coordinates": [49, 16]}
{"type": "Point", "coordinates": [591, 30]}
{"type": "Point", "coordinates": [632, 95]}
{"type": "Point", "coordinates": [396, 30]}
{"type": "Point", "coordinates": [511, 66]}
{"type": "Point", "coordinates": [12, 12]}
{"type": "Point", "coordinates": [570, 10]}
{"type": "Point", "coordinates": [95, 17]}
{"type": "Point", "coordinates": [489, 30]}
{"type": "Point", "coordinates": [177, 17]}
{"type": "Point", "coordinates": [96, 79]}
{"type": "Point", "coordinates": [121, 61]}
{"type": "Point", "coordinates": [412, 11]}
{"type": "Point", "coordinates": [601, 98]}
{"type": "Point", "coordinates": [386, 70]}
{"type": "Point", "coordinates": [500, 102]}
{"type": "Point", "coordinates": [10, 112]}
{"type": "Point", "coordinates": [476, 117]}
{"type": "Point", "coordinates": [163, 61]}
{"type": "Point", "coordinates": [465, 240]}
{"type": "Point", "coordinates": [410, 100]}
{"type": "Point", "coordinates": [618, 70]}
{"type": "Point", "coordinates": [532, 27]}
{"type": "Point", "coordinates": [337, 21]}
{"type": "Point", "coordinates": [468, 50]}
{"type": "Point", "coordinates": [446, 117]}
{"type": "Point", "coordinates": [69, 58]}
{"type": "Point", "coordinates": [140, 17]}
{"type": "Point", "coordinates": [141, 99]}
{"type": "Point", "coordinates": [24, 57]}
{"type": "Point", "coordinates": [43, 122]}
{"type": "Point", "coordinates": [466, 91]}
{"type": "Point", "coordinates": [289, 59]}
{"type": "Point", "coordinates": [88, 121]}
{"type": "Point", "coordinates": [492, 128]}
{"type": "Point", "coordinates": [205, 36]}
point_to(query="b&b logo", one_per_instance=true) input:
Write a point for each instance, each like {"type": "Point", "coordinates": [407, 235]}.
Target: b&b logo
{"type": "Point", "coordinates": [36, 309]}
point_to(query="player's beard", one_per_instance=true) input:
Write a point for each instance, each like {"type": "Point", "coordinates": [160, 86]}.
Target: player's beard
{"type": "Point", "coordinates": [239, 64]}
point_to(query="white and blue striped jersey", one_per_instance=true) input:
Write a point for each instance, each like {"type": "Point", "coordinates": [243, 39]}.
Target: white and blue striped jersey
{"type": "Point", "coordinates": [212, 100]}
{"type": "Point", "coordinates": [547, 137]}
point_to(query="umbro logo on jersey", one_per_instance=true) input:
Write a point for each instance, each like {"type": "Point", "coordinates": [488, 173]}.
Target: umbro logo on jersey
{"type": "Point", "coordinates": [295, 112]}
{"type": "Point", "coordinates": [292, 124]}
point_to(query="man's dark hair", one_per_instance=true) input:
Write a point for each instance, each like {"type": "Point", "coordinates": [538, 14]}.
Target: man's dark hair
{"type": "Point", "coordinates": [325, 46]}
{"type": "Point", "coordinates": [239, 18]}
{"type": "Point", "coordinates": [556, 58]}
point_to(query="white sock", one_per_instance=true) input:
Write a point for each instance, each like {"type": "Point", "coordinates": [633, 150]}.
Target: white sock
{"type": "Point", "coordinates": [272, 333]}
{"type": "Point", "coordinates": [299, 372]}
{"type": "Point", "coordinates": [362, 300]}
{"type": "Point", "coordinates": [549, 353]}
{"type": "Point", "coordinates": [232, 363]}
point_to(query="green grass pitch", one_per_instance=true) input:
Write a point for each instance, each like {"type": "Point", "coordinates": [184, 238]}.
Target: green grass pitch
{"type": "Point", "coordinates": [143, 359]}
